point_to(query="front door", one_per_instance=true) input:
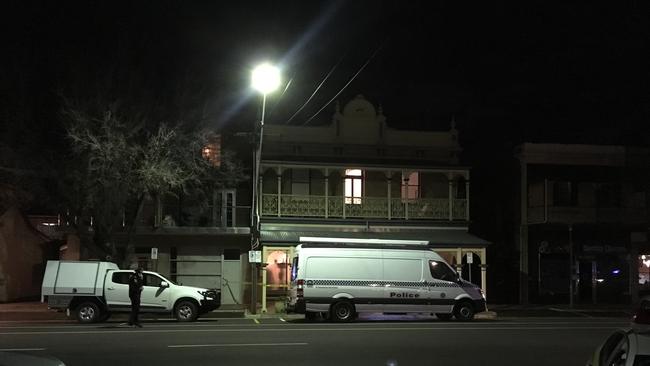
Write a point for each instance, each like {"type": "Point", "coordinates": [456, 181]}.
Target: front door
{"type": "Point", "coordinates": [443, 287]}
{"type": "Point", "coordinates": [153, 296]}
{"type": "Point", "coordinates": [276, 275]}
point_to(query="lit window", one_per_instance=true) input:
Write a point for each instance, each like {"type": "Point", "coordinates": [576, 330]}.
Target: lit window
{"type": "Point", "coordinates": [411, 186]}
{"type": "Point", "coordinates": [212, 150]}
{"type": "Point", "coordinates": [353, 186]}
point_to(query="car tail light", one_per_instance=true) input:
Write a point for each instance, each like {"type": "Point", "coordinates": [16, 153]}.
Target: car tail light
{"type": "Point", "coordinates": [300, 286]}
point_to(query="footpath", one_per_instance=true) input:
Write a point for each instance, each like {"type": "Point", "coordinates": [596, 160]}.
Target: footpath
{"type": "Point", "coordinates": [37, 311]}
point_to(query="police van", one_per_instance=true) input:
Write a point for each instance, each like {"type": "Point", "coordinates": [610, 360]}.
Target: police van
{"type": "Point", "coordinates": [340, 278]}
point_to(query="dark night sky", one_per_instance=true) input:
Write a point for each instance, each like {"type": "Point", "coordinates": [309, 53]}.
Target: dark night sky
{"type": "Point", "coordinates": [507, 72]}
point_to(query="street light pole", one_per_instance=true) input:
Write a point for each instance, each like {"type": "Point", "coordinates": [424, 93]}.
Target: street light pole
{"type": "Point", "coordinates": [255, 240]}
{"type": "Point", "coordinates": [265, 79]}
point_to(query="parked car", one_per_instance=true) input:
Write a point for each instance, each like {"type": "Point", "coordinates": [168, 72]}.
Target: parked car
{"type": "Point", "coordinates": [625, 347]}
{"type": "Point", "coordinates": [92, 291]}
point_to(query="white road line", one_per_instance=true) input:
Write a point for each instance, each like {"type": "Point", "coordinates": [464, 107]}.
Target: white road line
{"type": "Point", "coordinates": [237, 345]}
{"type": "Point", "coordinates": [296, 329]}
{"type": "Point", "coordinates": [368, 324]}
{"type": "Point", "coordinates": [20, 349]}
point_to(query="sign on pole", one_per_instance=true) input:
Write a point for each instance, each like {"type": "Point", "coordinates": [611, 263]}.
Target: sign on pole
{"type": "Point", "coordinates": [154, 253]}
{"type": "Point", "coordinates": [255, 256]}
{"type": "Point", "coordinates": [470, 258]}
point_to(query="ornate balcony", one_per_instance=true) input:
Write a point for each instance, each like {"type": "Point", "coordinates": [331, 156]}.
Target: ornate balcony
{"type": "Point", "coordinates": [363, 207]}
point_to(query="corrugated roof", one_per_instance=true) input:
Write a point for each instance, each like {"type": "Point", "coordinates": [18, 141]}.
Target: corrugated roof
{"type": "Point", "coordinates": [436, 238]}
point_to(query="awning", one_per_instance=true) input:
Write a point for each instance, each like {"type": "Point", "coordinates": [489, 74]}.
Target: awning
{"type": "Point", "coordinates": [437, 238]}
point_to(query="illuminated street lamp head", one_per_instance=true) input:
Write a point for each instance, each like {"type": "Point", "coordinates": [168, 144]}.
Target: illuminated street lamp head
{"type": "Point", "coordinates": [266, 78]}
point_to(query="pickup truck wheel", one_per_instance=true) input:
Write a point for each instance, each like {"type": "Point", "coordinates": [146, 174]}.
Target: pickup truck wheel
{"type": "Point", "coordinates": [88, 312]}
{"type": "Point", "coordinates": [186, 311]}
{"type": "Point", "coordinates": [342, 311]}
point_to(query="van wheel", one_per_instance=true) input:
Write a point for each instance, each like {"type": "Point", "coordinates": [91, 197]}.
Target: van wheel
{"type": "Point", "coordinates": [342, 311]}
{"type": "Point", "coordinates": [464, 311]}
{"type": "Point", "coordinates": [88, 312]}
{"type": "Point", "coordinates": [444, 316]}
{"type": "Point", "coordinates": [186, 311]}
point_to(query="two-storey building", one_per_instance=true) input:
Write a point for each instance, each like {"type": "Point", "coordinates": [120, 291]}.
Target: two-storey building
{"type": "Point", "coordinates": [359, 178]}
{"type": "Point", "coordinates": [583, 221]}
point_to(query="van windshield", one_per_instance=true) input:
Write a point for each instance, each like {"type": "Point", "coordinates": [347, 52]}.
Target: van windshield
{"type": "Point", "coordinates": [441, 271]}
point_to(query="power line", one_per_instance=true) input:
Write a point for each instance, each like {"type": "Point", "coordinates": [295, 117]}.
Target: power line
{"type": "Point", "coordinates": [280, 97]}
{"type": "Point", "coordinates": [316, 91]}
{"type": "Point", "coordinates": [348, 83]}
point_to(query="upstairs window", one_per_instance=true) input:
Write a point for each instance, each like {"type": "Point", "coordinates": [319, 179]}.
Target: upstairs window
{"type": "Point", "coordinates": [608, 195]}
{"type": "Point", "coordinates": [411, 186]}
{"type": "Point", "coordinates": [565, 194]}
{"type": "Point", "coordinates": [353, 186]}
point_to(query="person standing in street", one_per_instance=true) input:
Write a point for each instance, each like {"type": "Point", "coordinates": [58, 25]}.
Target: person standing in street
{"type": "Point", "coordinates": [136, 283]}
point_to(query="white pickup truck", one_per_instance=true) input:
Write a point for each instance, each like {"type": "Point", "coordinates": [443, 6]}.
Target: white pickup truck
{"type": "Point", "coordinates": [92, 291]}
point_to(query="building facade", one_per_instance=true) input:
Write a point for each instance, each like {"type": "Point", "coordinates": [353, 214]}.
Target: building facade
{"type": "Point", "coordinates": [583, 223]}
{"type": "Point", "coordinates": [358, 178]}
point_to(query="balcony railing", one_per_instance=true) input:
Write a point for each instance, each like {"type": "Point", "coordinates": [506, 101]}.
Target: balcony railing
{"type": "Point", "coordinates": [363, 207]}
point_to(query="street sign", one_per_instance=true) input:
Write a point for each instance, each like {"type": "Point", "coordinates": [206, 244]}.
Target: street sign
{"type": "Point", "coordinates": [255, 256]}
{"type": "Point", "coordinates": [154, 253]}
{"type": "Point", "coordinates": [470, 258]}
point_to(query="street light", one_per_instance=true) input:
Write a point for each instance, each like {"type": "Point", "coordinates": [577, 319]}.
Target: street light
{"type": "Point", "coordinates": [265, 79]}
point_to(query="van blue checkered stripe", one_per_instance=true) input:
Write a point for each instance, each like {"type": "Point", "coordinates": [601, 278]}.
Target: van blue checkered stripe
{"type": "Point", "coordinates": [357, 283]}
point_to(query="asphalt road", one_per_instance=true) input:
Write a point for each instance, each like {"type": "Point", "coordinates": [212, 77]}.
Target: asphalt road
{"type": "Point", "coordinates": [396, 341]}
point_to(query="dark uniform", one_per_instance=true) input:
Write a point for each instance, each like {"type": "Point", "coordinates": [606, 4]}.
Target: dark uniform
{"type": "Point", "coordinates": [136, 281]}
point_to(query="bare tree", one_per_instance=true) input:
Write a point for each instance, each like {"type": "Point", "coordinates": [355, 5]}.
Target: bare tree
{"type": "Point", "coordinates": [119, 163]}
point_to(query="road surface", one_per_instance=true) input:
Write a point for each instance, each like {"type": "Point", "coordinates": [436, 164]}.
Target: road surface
{"type": "Point", "coordinates": [392, 342]}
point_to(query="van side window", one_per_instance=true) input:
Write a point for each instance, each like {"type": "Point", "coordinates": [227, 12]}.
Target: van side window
{"type": "Point", "coordinates": [121, 277]}
{"type": "Point", "coordinates": [441, 271]}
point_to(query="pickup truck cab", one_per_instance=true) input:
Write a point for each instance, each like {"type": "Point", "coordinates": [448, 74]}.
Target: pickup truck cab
{"type": "Point", "coordinates": [92, 291]}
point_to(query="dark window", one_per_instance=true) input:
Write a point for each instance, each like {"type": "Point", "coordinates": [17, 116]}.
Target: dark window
{"type": "Point", "coordinates": [565, 194]}
{"type": "Point", "coordinates": [121, 277]}
{"type": "Point", "coordinates": [231, 254]}
{"type": "Point", "coordinates": [642, 360]}
{"type": "Point", "coordinates": [608, 195]}
{"type": "Point", "coordinates": [173, 266]}
{"type": "Point", "coordinates": [441, 271]}
{"type": "Point", "coordinates": [152, 280]}
{"type": "Point", "coordinates": [461, 188]}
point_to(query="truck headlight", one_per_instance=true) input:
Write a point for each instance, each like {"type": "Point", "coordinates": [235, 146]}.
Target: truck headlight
{"type": "Point", "coordinates": [208, 295]}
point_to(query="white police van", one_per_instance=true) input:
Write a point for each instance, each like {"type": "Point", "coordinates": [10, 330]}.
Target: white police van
{"type": "Point", "coordinates": [341, 277]}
